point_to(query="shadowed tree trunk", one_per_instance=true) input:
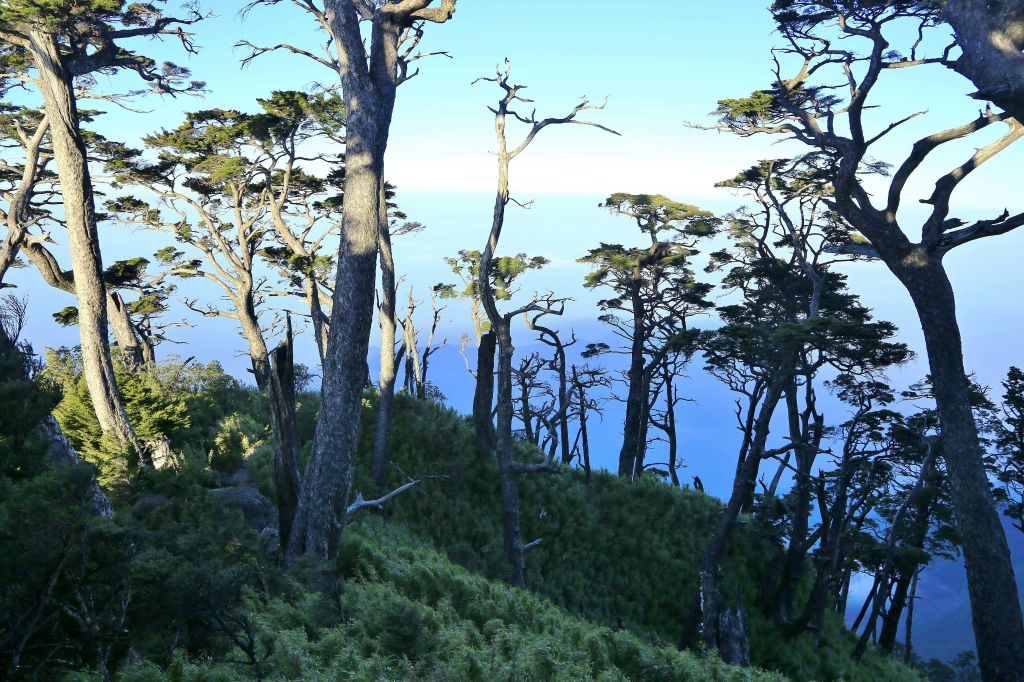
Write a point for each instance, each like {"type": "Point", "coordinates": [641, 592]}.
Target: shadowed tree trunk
{"type": "Point", "coordinates": [369, 80]}
{"type": "Point", "coordinates": [287, 475]}
{"type": "Point", "coordinates": [995, 605]}
{"type": "Point", "coordinates": [632, 426]}
{"type": "Point", "coordinates": [483, 395]}
{"type": "Point", "coordinates": [742, 490]}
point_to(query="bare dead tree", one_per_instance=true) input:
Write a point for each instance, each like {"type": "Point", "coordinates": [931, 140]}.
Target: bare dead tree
{"type": "Point", "coordinates": [582, 404]}
{"type": "Point", "coordinates": [558, 364]}
{"type": "Point", "coordinates": [529, 387]}
{"type": "Point", "coordinates": [508, 468]}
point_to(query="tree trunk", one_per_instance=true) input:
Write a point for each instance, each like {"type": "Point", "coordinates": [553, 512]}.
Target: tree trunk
{"type": "Point", "coordinates": [995, 604]}
{"type": "Point", "coordinates": [793, 569]}
{"type": "Point", "coordinates": [316, 314]}
{"type": "Point", "coordinates": [320, 515]}
{"type": "Point", "coordinates": [57, 88]}
{"type": "Point", "coordinates": [19, 211]}
{"type": "Point", "coordinates": [635, 398]}
{"type": "Point", "coordinates": [991, 37]}
{"type": "Point", "coordinates": [132, 355]}
{"type": "Point", "coordinates": [670, 423]}
{"type": "Point", "coordinates": [388, 370]}
{"type": "Point", "coordinates": [742, 488]}
{"type": "Point", "coordinates": [893, 615]}
{"type": "Point", "coordinates": [563, 405]}
{"type": "Point", "coordinates": [908, 644]}
{"type": "Point", "coordinates": [135, 352]}
{"type": "Point", "coordinates": [640, 453]}
{"type": "Point", "coordinates": [504, 448]}
{"type": "Point", "coordinates": [287, 475]}
{"type": "Point", "coordinates": [483, 396]}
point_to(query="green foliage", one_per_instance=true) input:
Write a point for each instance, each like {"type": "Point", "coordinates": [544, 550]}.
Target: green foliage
{"type": "Point", "coordinates": [25, 399]}
{"type": "Point", "coordinates": [64, 577]}
{"type": "Point", "coordinates": [600, 542]}
{"type": "Point", "coordinates": [238, 437]}
{"type": "Point", "coordinates": [206, 590]}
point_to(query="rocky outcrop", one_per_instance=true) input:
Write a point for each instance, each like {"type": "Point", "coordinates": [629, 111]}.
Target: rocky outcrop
{"type": "Point", "coordinates": [259, 512]}
{"type": "Point", "coordinates": [60, 453]}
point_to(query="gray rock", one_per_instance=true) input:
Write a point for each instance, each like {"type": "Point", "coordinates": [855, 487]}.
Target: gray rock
{"type": "Point", "coordinates": [147, 504]}
{"type": "Point", "coordinates": [259, 512]}
{"type": "Point", "coordinates": [60, 453]}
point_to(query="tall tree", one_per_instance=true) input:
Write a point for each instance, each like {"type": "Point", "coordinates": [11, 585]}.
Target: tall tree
{"type": "Point", "coordinates": [501, 322]}
{"type": "Point", "coordinates": [654, 293]}
{"type": "Point", "coordinates": [370, 73]}
{"type": "Point", "coordinates": [388, 319]}
{"type": "Point", "coordinates": [832, 85]}
{"type": "Point", "coordinates": [63, 44]}
{"type": "Point", "coordinates": [792, 318]}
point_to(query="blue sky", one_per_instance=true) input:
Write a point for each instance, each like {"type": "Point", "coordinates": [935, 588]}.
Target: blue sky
{"type": "Point", "coordinates": [663, 64]}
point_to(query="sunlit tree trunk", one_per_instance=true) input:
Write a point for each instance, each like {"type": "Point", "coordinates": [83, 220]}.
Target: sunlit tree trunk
{"type": "Point", "coordinates": [57, 89]}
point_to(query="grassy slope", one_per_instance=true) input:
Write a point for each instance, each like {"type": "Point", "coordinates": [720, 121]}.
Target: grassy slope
{"type": "Point", "coordinates": [612, 552]}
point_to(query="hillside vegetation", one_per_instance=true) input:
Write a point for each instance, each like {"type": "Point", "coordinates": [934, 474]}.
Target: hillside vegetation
{"type": "Point", "coordinates": [180, 585]}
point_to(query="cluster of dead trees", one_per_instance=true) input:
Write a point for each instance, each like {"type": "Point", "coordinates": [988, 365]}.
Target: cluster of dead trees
{"type": "Point", "coordinates": [877, 489]}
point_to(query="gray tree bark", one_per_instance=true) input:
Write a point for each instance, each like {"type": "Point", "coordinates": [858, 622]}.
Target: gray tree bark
{"type": "Point", "coordinates": [388, 367]}
{"type": "Point", "coordinates": [369, 80]}
{"type": "Point", "coordinates": [995, 604]}
{"type": "Point", "coordinates": [991, 37]}
{"type": "Point", "coordinates": [57, 89]}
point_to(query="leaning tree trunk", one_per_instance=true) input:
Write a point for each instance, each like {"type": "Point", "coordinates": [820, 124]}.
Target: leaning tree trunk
{"type": "Point", "coordinates": [135, 352]}
{"type": "Point", "coordinates": [742, 488]}
{"type": "Point", "coordinates": [19, 210]}
{"type": "Point", "coordinates": [995, 605]}
{"type": "Point", "coordinates": [320, 515]}
{"type": "Point", "coordinates": [57, 88]}
{"type": "Point", "coordinates": [388, 367]}
{"type": "Point", "coordinates": [483, 395]}
{"type": "Point", "coordinates": [133, 355]}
